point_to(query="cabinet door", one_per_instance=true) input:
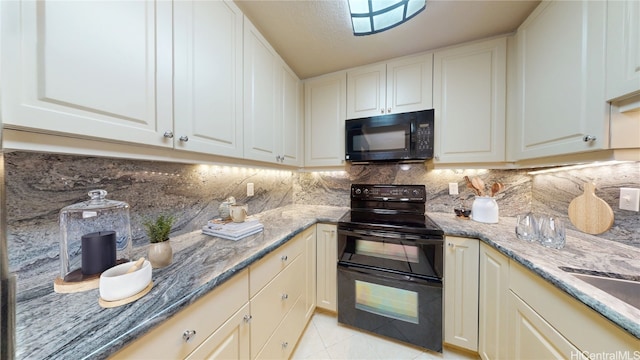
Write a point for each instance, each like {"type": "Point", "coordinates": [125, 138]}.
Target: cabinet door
{"type": "Point", "coordinates": [533, 338]}
{"type": "Point", "coordinates": [291, 114]}
{"type": "Point", "coordinates": [208, 77]}
{"type": "Point", "coordinates": [325, 111]}
{"type": "Point", "coordinates": [262, 89]}
{"type": "Point", "coordinates": [623, 48]}
{"type": "Point", "coordinates": [470, 102]}
{"type": "Point", "coordinates": [98, 69]}
{"type": "Point", "coordinates": [366, 91]}
{"type": "Point", "coordinates": [493, 304]}
{"type": "Point", "coordinates": [561, 80]}
{"type": "Point", "coordinates": [230, 341]}
{"type": "Point", "coordinates": [461, 292]}
{"type": "Point", "coordinates": [327, 255]}
{"type": "Point", "coordinates": [410, 84]}
{"type": "Point", "coordinates": [309, 238]}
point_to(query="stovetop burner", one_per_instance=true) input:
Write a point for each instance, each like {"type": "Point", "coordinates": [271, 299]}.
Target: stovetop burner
{"type": "Point", "coordinates": [397, 208]}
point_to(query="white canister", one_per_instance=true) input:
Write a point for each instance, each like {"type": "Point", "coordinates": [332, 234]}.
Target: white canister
{"type": "Point", "coordinates": [485, 210]}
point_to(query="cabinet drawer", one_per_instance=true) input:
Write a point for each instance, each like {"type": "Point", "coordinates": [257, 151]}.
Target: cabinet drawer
{"type": "Point", "coordinates": [284, 339]}
{"type": "Point", "coordinates": [272, 303]}
{"type": "Point", "coordinates": [268, 267]}
{"type": "Point", "coordinates": [203, 316]}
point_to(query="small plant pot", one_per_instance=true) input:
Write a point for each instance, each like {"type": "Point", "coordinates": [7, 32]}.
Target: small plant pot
{"type": "Point", "coordinates": [160, 254]}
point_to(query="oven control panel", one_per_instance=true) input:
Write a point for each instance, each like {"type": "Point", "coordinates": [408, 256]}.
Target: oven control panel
{"type": "Point", "coordinates": [415, 193]}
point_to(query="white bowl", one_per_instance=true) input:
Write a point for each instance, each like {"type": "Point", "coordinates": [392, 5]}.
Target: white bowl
{"type": "Point", "coordinates": [116, 284]}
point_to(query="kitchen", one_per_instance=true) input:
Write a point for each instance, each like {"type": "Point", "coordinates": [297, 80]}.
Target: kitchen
{"type": "Point", "coordinates": [40, 181]}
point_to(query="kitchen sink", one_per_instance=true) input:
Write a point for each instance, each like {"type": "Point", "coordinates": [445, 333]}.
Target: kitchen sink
{"type": "Point", "coordinates": [625, 288]}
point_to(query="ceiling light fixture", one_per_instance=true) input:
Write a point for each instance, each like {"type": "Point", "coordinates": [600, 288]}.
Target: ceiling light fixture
{"type": "Point", "coordinates": [373, 16]}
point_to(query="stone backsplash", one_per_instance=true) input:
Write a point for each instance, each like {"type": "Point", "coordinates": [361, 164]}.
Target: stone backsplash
{"type": "Point", "coordinates": [39, 185]}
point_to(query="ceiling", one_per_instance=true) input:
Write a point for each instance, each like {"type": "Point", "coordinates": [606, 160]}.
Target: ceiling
{"type": "Point", "coordinates": [315, 37]}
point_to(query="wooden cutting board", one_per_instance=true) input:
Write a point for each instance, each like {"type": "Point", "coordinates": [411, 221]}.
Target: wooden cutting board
{"type": "Point", "coordinates": [590, 214]}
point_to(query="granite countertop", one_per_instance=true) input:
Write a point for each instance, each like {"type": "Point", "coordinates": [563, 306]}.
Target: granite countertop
{"type": "Point", "coordinates": [582, 251]}
{"type": "Point", "coordinates": [74, 326]}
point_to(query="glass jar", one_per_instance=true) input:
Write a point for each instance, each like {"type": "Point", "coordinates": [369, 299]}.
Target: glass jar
{"type": "Point", "coordinates": [93, 223]}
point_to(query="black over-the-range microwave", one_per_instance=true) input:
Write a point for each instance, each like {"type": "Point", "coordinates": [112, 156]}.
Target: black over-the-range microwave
{"type": "Point", "coordinates": [393, 137]}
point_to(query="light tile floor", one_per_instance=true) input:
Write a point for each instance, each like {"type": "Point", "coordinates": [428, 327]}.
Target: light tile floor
{"type": "Point", "coordinates": [324, 338]}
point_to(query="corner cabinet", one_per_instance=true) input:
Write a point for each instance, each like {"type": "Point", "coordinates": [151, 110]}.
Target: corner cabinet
{"type": "Point", "coordinates": [324, 117]}
{"type": "Point", "coordinates": [623, 48]}
{"type": "Point", "coordinates": [272, 103]}
{"type": "Point", "coordinates": [561, 80]}
{"type": "Point", "coordinates": [208, 77]}
{"type": "Point", "coordinates": [398, 86]}
{"type": "Point", "coordinates": [469, 96]}
{"type": "Point", "coordinates": [81, 68]}
{"type": "Point", "coordinates": [461, 292]}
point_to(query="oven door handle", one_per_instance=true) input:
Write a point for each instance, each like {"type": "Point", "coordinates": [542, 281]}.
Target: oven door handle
{"type": "Point", "coordinates": [377, 235]}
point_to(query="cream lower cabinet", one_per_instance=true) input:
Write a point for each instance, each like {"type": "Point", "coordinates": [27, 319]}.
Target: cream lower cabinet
{"type": "Point", "coordinates": [327, 259]}
{"type": "Point", "coordinates": [211, 325]}
{"type": "Point", "coordinates": [545, 319]}
{"type": "Point", "coordinates": [461, 292]}
{"type": "Point", "coordinates": [230, 341]}
{"type": "Point", "coordinates": [493, 304]}
{"type": "Point", "coordinates": [279, 303]}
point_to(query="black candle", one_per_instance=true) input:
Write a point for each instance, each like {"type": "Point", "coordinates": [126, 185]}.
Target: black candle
{"type": "Point", "coordinates": [98, 252]}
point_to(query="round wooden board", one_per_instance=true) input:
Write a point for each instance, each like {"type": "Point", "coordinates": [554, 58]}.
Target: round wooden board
{"type": "Point", "coordinates": [590, 214]}
{"type": "Point", "coordinates": [110, 304]}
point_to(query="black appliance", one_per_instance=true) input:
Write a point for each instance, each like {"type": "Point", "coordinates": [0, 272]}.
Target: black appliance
{"type": "Point", "coordinates": [393, 137]}
{"type": "Point", "coordinates": [390, 265]}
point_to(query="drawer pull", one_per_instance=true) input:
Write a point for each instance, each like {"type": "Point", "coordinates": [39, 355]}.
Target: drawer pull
{"type": "Point", "coordinates": [284, 258]}
{"type": "Point", "coordinates": [285, 344]}
{"type": "Point", "coordinates": [247, 318]}
{"type": "Point", "coordinates": [188, 335]}
{"type": "Point", "coordinates": [285, 296]}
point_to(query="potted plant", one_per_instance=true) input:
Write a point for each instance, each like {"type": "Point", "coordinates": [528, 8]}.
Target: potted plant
{"type": "Point", "coordinates": [160, 252]}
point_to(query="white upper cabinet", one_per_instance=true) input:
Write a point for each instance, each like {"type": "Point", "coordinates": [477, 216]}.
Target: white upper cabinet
{"type": "Point", "coordinates": [208, 77]}
{"type": "Point", "coordinates": [561, 80]}
{"type": "Point", "coordinates": [324, 116]}
{"type": "Point", "coordinates": [98, 69]}
{"type": "Point", "coordinates": [469, 96]}
{"type": "Point", "coordinates": [623, 48]}
{"type": "Point", "coordinates": [398, 86]}
{"type": "Point", "coordinates": [271, 102]}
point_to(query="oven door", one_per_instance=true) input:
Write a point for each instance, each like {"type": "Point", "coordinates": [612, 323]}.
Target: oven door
{"type": "Point", "coordinates": [385, 137]}
{"type": "Point", "coordinates": [392, 305]}
{"type": "Point", "coordinates": [391, 251]}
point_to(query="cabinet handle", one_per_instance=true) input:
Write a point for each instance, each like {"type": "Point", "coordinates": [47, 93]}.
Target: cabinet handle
{"type": "Point", "coordinates": [437, 157]}
{"type": "Point", "coordinates": [451, 245]}
{"type": "Point", "coordinates": [381, 111]}
{"type": "Point", "coordinates": [285, 344]}
{"type": "Point", "coordinates": [285, 296]}
{"type": "Point", "coordinates": [188, 335]}
{"type": "Point", "coordinates": [247, 318]}
{"type": "Point", "coordinates": [168, 134]}
{"type": "Point", "coordinates": [389, 110]}
{"type": "Point", "coordinates": [184, 138]}
{"type": "Point", "coordinates": [589, 138]}
{"type": "Point", "coordinates": [284, 258]}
